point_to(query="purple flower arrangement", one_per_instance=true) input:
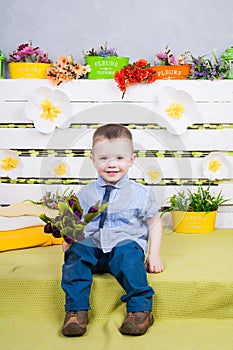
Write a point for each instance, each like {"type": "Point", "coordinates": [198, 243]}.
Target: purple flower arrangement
{"type": "Point", "coordinates": [70, 221]}
{"type": "Point", "coordinates": [203, 68]}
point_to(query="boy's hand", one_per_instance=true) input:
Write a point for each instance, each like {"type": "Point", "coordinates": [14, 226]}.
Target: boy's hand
{"type": "Point", "coordinates": [154, 264]}
{"type": "Point", "coordinates": [65, 246]}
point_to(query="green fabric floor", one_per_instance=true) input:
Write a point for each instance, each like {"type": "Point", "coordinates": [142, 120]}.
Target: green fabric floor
{"type": "Point", "coordinates": [193, 303]}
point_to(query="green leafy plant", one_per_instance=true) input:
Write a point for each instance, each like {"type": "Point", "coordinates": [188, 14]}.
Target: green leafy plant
{"type": "Point", "coordinates": [200, 201]}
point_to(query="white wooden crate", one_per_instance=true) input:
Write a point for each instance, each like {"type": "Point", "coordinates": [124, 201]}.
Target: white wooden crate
{"type": "Point", "coordinates": [96, 102]}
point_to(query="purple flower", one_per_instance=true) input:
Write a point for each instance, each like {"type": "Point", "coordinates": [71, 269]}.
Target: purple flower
{"type": "Point", "coordinates": [161, 55]}
{"type": "Point", "coordinates": [68, 240]}
{"type": "Point", "coordinates": [93, 209]}
{"type": "Point", "coordinates": [174, 60]}
{"type": "Point", "coordinates": [71, 202]}
{"type": "Point", "coordinates": [78, 214]}
{"type": "Point", "coordinates": [56, 233]}
{"type": "Point", "coordinates": [48, 228]}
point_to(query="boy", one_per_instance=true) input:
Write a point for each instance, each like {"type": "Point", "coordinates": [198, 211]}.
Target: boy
{"type": "Point", "coordinates": [116, 242]}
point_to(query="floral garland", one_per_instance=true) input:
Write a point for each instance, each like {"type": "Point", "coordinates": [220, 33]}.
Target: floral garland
{"type": "Point", "coordinates": [134, 73]}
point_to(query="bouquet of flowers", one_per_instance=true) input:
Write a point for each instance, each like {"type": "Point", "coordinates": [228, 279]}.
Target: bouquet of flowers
{"type": "Point", "coordinates": [65, 69]}
{"type": "Point", "coordinates": [166, 58]}
{"type": "Point", "coordinates": [204, 68]}
{"type": "Point", "coordinates": [103, 51]}
{"type": "Point", "coordinates": [28, 53]}
{"type": "Point", "coordinates": [134, 73]}
{"type": "Point", "coordinates": [69, 222]}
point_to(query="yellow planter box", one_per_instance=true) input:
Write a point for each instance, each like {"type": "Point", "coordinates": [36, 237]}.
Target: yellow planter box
{"type": "Point", "coordinates": [24, 70]}
{"type": "Point", "coordinates": [193, 222]}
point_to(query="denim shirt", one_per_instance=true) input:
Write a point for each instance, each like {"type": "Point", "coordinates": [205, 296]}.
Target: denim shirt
{"type": "Point", "coordinates": [130, 204]}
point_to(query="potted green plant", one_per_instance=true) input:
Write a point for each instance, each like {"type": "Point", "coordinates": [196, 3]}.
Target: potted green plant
{"type": "Point", "coordinates": [28, 62]}
{"type": "Point", "coordinates": [208, 67]}
{"type": "Point", "coordinates": [170, 66]}
{"type": "Point", "coordinates": [104, 62]}
{"type": "Point", "coordinates": [194, 212]}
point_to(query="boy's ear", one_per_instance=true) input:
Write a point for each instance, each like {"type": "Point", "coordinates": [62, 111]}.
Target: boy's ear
{"type": "Point", "coordinates": [92, 159]}
{"type": "Point", "coordinates": [133, 158]}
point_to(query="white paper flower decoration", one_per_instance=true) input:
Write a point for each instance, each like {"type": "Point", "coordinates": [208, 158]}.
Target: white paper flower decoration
{"type": "Point", "coordinates": [177, 110]}
{"type": "Point", "coordinates": [10, 164]}
{"type": "Point", "coordinates": [216, 166]}
{"type": "Point", "coordinates": [49, 109]}
{"type": "Point", "coordinates": [152, 175]}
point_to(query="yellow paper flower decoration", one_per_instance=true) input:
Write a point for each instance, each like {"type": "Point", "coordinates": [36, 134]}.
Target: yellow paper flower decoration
{"type": "Point", "coordinates": [152, 175]}
{"type": "Point", "coordinates": [49, 110]}
{"type": "Point", "coordinates": [214, 165]}
{"type": "Point", "coordinates": [60, 169]}
{"type": "Point", "coordinates": [176, 110]}
{"type": "Point", "coordinates": [9, 164]}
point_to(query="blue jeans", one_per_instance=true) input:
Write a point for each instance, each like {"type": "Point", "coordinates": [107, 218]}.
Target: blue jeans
{"type": "Point", "coordinates": [125, 262]}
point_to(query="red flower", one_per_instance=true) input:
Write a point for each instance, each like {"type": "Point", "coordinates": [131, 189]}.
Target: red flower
{"type": "Point", "coordinates": [134, 73]}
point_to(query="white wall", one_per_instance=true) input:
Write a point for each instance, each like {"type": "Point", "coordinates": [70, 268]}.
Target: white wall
{"type": "Point", "coordinates": [137, 28]}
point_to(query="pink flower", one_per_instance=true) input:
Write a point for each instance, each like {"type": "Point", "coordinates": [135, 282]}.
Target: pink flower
{"type": "Point", "coordinates": [161, 55]}
{"type": "Point", "coordinates": [174, 60]}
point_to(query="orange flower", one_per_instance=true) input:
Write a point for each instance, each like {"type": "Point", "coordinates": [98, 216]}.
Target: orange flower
{"type": "Point", "coordinates": [65, 69]}
{"type": "Point", "coordinates": [62, 61]}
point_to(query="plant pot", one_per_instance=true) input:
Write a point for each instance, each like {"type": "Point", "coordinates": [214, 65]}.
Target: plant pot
{"type": "Point", "coordinates": [24, 70]}
{"type": "Point", "coordinates": [193, 222]}
{"type": "Point", "coordinates": [172, 72]}
{"type": "Point", "coordinates": [2, 65]}
{"type": "Point", "coordinates": [105, 67]}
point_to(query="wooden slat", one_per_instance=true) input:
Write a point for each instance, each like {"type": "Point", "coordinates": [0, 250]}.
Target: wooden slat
{"type": "Point", "coordinates": [11, 193]}
{"type": "Point", "coordinates": [81, 167]}
{"type": "Point", "coordinates": [143, 139]}
{"type": "Point", "coordinates": [106, 90]}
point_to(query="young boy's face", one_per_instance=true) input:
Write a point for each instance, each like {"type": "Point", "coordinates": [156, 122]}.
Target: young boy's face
{"type": "Point", "coordinates": [112, 158]}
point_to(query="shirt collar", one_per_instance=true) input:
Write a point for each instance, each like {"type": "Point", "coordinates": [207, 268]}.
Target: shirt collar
{"type": "Point", "coordinates": [121, 183]}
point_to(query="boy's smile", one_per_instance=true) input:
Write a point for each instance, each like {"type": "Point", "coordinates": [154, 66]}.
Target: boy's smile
{"type": "Point", "coordinates": [112, 158]}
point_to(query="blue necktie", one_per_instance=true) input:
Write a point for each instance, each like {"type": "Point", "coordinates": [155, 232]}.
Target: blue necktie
{"type": "Point", "coordinates": [106, 196]}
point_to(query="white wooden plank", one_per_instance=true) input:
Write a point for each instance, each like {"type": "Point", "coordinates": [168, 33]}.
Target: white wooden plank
{"type": "Point", "coordinates": [106, 90]}
{"type": "Point", "coordinates": [101, 112]}
{"type": "Point", "coordinates": [81, 167]}
{"type": "Point", "coordinates": [143, 139]}
{"type": "Point", "coordinates": [10, 193]}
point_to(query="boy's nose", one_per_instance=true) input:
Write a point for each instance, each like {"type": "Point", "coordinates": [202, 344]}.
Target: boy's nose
{"type": "Point", "coordinates": [112, 162]}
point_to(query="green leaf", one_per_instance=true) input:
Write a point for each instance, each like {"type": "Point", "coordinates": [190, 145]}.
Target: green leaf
{"type": "Point", "coordinates": [90, 216]}
{"type": "Point", "coordinates": [45, 218]}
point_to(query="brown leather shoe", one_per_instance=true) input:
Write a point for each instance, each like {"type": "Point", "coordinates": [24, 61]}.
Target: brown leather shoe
{"type": "Point", "coordinates": [137, 323]}
{"type": "Point", "coordinates": [75, 323]}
